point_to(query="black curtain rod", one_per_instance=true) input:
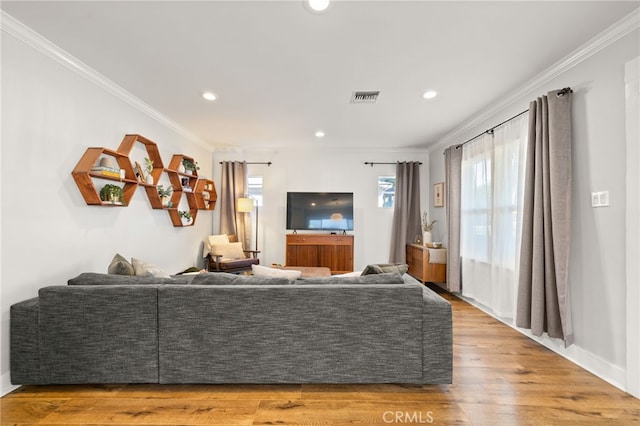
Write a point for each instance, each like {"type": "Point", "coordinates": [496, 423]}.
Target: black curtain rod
{"type": "Point", "coordinates": [560, 93]}
{"type": "Point", "coordinates": [268, 163]}
{"type": "Point", "coordinates": [372, 163]}
{"type": "Point", "coordinates": [490, 131]}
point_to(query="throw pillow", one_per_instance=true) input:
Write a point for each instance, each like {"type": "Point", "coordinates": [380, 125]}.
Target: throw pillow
{"type": "Point", "coordinates": [147, 269]}
{"type": "Point", "coordinates": [228, 251]}
{"type": "Point", "coordinates": [264, 271]}
{"type": "Point", "coordinates": [381, 268]}
{"type": "Point", "coordinates": [120, 266]}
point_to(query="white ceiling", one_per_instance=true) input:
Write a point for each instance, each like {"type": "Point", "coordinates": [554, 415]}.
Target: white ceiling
{"type": "Point", "coordinates": [281, 73]}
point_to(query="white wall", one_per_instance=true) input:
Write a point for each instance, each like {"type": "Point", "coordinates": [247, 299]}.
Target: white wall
{"type": "Point", "coordinates": [327, 170]}
{"type": "Point", "coordinates": [50, 115]}
{"type": "Point", "coordinates": [597, 264]}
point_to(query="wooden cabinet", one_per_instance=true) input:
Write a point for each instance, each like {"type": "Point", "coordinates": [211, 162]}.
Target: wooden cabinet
{"type": "Point", "coordinates": [332, 251]}
{"type": "Point", "coordinates": [420, 267]}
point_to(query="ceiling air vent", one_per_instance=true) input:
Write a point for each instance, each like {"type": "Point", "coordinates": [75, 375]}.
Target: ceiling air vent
{"type": "Point", "coordinates": [368, 97]}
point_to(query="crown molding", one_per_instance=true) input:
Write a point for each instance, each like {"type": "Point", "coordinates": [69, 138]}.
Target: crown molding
{"type": "Point", "coordinates": [18, 30]}
{"type": "Point", "coordinates": [615, 32]}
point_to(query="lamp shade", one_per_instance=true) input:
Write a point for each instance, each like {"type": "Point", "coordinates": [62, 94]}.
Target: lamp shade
{"type": "Point", "coordinates": [245, 205]}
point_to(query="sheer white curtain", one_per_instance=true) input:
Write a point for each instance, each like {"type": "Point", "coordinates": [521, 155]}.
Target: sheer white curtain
{"type": "Point", "coordinates": [491, 215]}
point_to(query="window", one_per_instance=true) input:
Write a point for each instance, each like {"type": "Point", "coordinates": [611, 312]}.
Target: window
{"type": "Point", "coordinates": [386, 191]}
{"type": "Point", "coordinates": [491, 215]}
{"type": "Point", "coordinates": [254, 188]}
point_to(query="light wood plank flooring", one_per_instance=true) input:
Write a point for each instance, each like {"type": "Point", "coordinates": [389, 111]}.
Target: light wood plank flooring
{"type": "Point", "coordinates": [500, 378]}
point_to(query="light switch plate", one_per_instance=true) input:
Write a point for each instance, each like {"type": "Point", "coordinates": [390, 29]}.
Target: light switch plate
{"type": "Point", "coordinates": [600, 199]}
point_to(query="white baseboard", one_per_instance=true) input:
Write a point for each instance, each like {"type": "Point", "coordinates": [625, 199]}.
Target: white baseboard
{"type": "Point", "coordinates": [5, 384]}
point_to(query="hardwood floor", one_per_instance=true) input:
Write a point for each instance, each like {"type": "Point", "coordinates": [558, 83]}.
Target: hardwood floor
{"type": "Point", "coordinates": [500, 378]}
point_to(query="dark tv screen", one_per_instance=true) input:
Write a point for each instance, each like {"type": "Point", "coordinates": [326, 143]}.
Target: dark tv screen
{"type": "Point", "coordinates": [320, 211]}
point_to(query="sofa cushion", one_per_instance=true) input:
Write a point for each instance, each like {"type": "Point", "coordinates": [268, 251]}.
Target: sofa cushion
{"type": "Point", "coordinates": [384, 278]}
{"type": "Point", "coordinates": [120, 266]}
{"type": "Point", "coordinates": [381, 268]}
{"type": "Point", "coordinates": [214, 278]}
{"type": "Point", "coordinates": [261, 280]}
{"type": "Point", "coordinates": [264, 271]}
{"type": "Point", "coordinates": [217, 239]}
{"type": "Point", "coordinates": [223, 278]}
{"type": "Point", "coordinates": [228, 251]}
{"type": "Point", "coordinates": [93, 278]}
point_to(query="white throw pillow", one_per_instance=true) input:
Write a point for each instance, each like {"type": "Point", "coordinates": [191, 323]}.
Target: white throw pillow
{"type": "Point", "coordinates": [265, 271]}
{"type": "Point", "coordinates": [228, 251]}
{"type": "Point", "coordinates": [146, 269]}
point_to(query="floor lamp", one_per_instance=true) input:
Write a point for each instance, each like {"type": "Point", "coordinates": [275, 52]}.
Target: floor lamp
{"type": "Point", "coordinates": [246, 205]}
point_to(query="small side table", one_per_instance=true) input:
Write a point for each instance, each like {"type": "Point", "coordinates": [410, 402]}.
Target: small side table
{"type": "Point", "coordinates": [421, 269]}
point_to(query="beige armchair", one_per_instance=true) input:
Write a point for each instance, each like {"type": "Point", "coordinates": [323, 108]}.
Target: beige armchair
{"type": "Point", "coordinates": [223, 253]}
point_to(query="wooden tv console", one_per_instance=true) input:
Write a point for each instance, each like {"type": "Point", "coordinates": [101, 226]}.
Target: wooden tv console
{"type": "Point", "coordinates": [332, 251]}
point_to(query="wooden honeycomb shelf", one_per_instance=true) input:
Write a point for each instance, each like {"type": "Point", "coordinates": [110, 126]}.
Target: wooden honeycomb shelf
{"type": "Point", "coordinates": [200, 194]}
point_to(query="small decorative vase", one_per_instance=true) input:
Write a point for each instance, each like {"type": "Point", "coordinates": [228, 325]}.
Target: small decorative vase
{"type": "Point", "coordinates": [181, 168]}
{"type": "Point", "coordinates": [149, 179]}
{"type": "Point", "coordinates": [426, 238]}
{"type": "Point", "coordinates": [165, 201]}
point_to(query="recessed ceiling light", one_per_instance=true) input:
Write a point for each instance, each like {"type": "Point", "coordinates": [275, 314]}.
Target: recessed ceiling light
{"type": "Point", "coordinates": [209, 96]}
{"type": "Point", "coordinates": [430, 94]}
{"type": "Point", "coordinates": [319, 134]}
{"type": "Point", "coordinates": [317, 5]}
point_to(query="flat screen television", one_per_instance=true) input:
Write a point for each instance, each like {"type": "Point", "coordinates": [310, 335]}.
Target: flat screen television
{"type": "Point", "coordinates": [320, 211]}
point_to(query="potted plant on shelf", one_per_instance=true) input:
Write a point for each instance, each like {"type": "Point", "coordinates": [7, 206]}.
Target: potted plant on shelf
{"type": "Point", "coordinates": [164, 194]}
{"type": "Point", "coordinates": [186, 217]}
{"type": "Point", "coordinates": [148, 167]}
{"type": "Point", "coordinates": [112, 193]}
{"type": "Point", "coordinates": [190, 166]}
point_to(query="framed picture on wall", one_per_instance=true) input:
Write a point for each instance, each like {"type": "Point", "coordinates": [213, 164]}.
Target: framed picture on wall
{"type": "Point", "coordinates": [438, 194]}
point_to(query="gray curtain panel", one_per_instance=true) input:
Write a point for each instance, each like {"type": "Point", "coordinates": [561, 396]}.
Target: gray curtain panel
{"type": "Point", "coordinates": [453, 182]}
{"type": "Point", "coordinates": [234, 186]}
{"type": "Point", "coordinates": [543, 287]}
{"type": "Point", "coordinates": [406, 211]}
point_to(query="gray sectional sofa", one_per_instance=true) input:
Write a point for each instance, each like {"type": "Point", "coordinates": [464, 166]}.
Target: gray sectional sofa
{"type": "Point", "coordinates": [217, 328]}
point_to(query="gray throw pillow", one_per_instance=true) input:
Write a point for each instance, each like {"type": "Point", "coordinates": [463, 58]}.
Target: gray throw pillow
{"type": "Point", "coordinates": [93, 278]}
{"type": "Point", "coordinates": [120, 266]}
{"type": "Point", "coordinates": [381, 268]}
